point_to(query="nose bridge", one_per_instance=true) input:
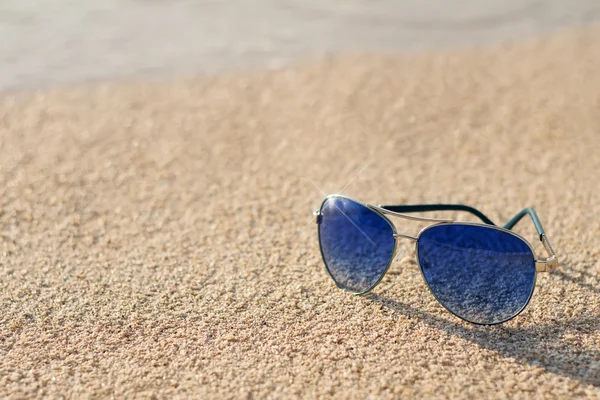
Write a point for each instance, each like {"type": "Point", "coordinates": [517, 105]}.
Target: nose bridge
{"type": "Point", "coordinates": [397, 236]}
{"type": "Point", "coordinates": [404, 236]}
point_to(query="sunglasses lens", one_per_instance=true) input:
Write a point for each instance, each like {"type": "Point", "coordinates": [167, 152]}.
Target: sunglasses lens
{"type": "Point", "coordinates": [357, 243]}
{"type": "Point", "coordinates": [482, 275]}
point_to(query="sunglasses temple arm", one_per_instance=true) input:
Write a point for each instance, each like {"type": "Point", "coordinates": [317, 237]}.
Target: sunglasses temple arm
{"type": "Point", "coordinates": [410, 208]}
{"type": "Point", "coordinates": [536, 221]}
{"type": "Point", "coordinates": [550, 263]}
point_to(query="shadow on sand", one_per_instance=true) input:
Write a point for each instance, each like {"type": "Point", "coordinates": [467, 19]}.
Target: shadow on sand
{"type": "Point", "coordinates": [551, 353]}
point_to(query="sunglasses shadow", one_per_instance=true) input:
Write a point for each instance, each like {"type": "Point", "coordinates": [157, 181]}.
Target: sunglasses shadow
{"type": "Point", "coordinates": [536, 345]}
{"type": "Point", "coordinates": [578, 280]}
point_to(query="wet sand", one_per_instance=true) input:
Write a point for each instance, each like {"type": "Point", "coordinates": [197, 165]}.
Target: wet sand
{"type": "Point", "coordinates": [156, 239]}
{"type": "Point", "coordinates": [46, 43]}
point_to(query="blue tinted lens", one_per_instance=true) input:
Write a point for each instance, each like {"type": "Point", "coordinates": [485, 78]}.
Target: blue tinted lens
{"type": "Point", "coordinates": [482, 275]}
{"type": "Point", "coordinates": [357, 243]}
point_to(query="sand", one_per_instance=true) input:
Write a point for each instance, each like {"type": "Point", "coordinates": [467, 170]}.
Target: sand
{"type": "Point", "coordinates": [156, 238]}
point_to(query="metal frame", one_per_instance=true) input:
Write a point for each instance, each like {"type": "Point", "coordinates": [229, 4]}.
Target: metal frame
{"type": "Point", "coordinates": [391, 224]}
{"type": "Point", "coordinates": [489, 227]}
{"type": "Point", "coordinates": [541, 265]}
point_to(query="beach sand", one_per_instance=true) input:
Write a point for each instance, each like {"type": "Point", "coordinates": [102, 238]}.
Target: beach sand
{"type": "Point", "coordinates": [156, 238]}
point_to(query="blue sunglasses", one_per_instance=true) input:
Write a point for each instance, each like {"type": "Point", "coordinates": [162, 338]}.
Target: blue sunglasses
{"type": "Point", "coordinates": [481, 273]}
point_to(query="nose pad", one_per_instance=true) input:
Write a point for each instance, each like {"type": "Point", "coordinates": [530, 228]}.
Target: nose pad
{"type": "Point", "coordinates": [424, 262]}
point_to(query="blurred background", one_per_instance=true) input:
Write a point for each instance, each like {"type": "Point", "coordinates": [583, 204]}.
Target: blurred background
{"type": "Point", "coordinates": [47, 42]}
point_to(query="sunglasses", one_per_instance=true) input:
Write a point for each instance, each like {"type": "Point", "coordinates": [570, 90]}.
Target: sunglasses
{"type": "Point", "coordinates": [482, 273]}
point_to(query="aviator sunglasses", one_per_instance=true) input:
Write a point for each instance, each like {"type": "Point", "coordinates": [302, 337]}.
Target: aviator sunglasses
{"type": "Point", "coordinates": [482, 273]}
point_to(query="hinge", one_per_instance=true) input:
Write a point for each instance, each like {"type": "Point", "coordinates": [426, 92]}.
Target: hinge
{"type": "Point", "coordinates": [549, 264]}
{"type": "Point", "coordinates": [318, 216]}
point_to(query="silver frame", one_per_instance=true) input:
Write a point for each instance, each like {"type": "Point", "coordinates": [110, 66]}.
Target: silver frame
{"type": "Point", "coordinates": [541, 265]}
